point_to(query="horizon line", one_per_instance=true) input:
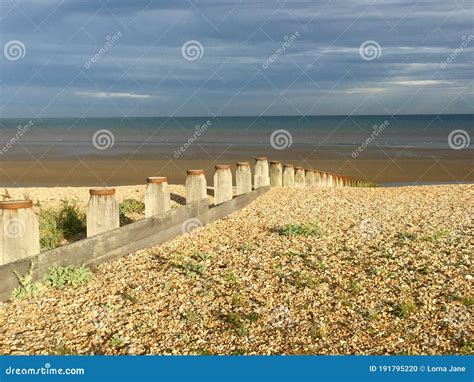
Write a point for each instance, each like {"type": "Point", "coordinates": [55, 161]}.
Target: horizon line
{"type": "Point", "coordinates": [251, 116]}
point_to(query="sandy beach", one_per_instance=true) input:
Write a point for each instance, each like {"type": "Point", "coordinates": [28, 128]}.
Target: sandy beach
{"type": "Point", "coordinates": [381, 271]}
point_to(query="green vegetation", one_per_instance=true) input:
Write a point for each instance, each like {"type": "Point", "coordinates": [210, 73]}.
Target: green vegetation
{"type": "Point", "coordinates": [240, 322]}
{"type": "Point", "coordinates": [192, 266]}
{"type": "Point", "coordinates": [58, 225]}
{"type": "Point", "coordinates": [116, 341]}
{"type": "Point", "coordinates": [27, 288]}
{"type": "Point", "coordinates": [467, 348]}
{"type": "Point", "coordinates": [437, 235]}
{"type": "Point", "coordinates": [302, 279]}
{"type": "Point", "coordinates": [59, 277]}
{"type": "Point", "coordinates": [131, 206]}
{"type": "Point", "coordinates": [467, 300]}
{"type": "Point", "coordinates": [405, 308]}
{"type": "Point", "coordinates": [310, 229]}
{"type": "Point", "coordinates": [56, 277]}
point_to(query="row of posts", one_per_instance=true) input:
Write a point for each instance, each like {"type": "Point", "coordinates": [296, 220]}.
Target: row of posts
{"type": "Point", "coordinates": [19, 232]}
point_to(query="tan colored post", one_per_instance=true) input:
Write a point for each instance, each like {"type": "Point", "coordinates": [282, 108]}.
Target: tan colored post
{"type": "Point", "coordinates": [102, 211]}
{"type": "Point", "coordinates": [222, 184]}
{"type": "Point", "coordinates": [288, 175]}
{"type": "Point", "coordinates": [317, 178]}
{"type": "Point", "coordinates": [309, 178]}
{"type": "Point", "coordinates": [196, 186]}
{"type": "Point", "coordinates": [19, 232]}
{"type": "Point", "coordinates": [324, 179]}
{"type": "Point", "coordinates": [261, 176]}
{"type": "Point", "coordinates": [299, 177]}
{"type": "Point", "coordinates": [243, 178]}
{"type": "Point", "coordinates": [157, 196]}
{"type": "Point", "coordinates": [276, 174]}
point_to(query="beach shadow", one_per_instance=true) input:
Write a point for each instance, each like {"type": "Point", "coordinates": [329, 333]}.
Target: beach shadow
{"type": "Point", "coordinates": [178, 199]}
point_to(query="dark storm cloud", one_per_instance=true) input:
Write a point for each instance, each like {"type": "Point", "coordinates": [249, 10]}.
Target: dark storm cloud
{"type": "Point", "coordinates": [246, 67]}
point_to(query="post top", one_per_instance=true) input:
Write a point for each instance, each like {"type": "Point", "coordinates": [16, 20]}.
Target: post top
{"type": "Point", "coordinates": [195, 172]}
{"type": "Point", "coordinates": [102, 191]}
{"type": "Point", "coordinates": [156, 179]}
{"type": "Point", "coordinates": [15, 204]}
{"type": "Point", "coordinates": [288, 165]}
{"type": "Point", "coordinates": [309, 170]}
{"type": "Point", "coordinates": [243, 163]}
{"type": "Point", "coordinates": [261, 158]}
{"type": "Point", "coordinates": [299, 168]}
{"type": "Point", "coordinates": [275, 162]}
{"type": "Point", "coordinates": [222, 166]}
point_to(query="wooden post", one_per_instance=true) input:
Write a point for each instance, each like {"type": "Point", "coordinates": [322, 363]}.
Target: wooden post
{"type": "Point", "coordinates": [222, 184]}
{"type": "Point", "coordinates": [102, 211]}
{"type": "Point", "coordinates": [157, 196]}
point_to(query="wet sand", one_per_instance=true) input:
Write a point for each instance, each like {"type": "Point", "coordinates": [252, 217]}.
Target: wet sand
{"type": "Point", "coordinates": [110, 172]}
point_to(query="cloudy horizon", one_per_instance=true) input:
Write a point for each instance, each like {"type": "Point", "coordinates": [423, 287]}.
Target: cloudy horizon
{"type": "Point", "coordinates": [126, 58]}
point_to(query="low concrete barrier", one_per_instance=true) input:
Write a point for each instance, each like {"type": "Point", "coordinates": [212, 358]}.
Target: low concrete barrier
{"type": "Point", "coordinates": [19, 232]}
{"type": "Point", "coordinates": [119, 242]}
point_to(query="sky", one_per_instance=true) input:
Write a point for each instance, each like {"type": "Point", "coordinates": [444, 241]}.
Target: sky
{"type": "Point", "coordinates": [144, 58]}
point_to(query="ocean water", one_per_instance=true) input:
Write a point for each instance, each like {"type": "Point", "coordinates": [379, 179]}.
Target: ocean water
{"type": "Point", "coordinates": [59, 138]}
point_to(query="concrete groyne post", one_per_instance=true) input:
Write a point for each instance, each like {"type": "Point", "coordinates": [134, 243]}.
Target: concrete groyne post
{"type": "Point", "coordinates": [276, 174]}
{"type": "Point", "coordinates": [299, 177]}
{"type": "Point", "coordinates": [330, 182]}
{"type": "Point", "coordinates": [196, 186]}
{"type": "Point", "coordinates": [157, 196]}
{"type": "Point", "coordinates": [309, 178]}
{"type": "Point", "coordinates": [102, 211]}
{"type": "Point", "coordinates": [288, 175]}
{"type": "Point", "coordinates": [243, 178]}
{"type": "Point", "coordinates": [222, 184]}
{"type": "Point", "coordinates": [261, 175]}
{"type": "Point", "coordinates": [19, 232]}
{"type": "Point", "coordinates": [324, 179]}
{"type": "Point", "coordinates": [317, 178]}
